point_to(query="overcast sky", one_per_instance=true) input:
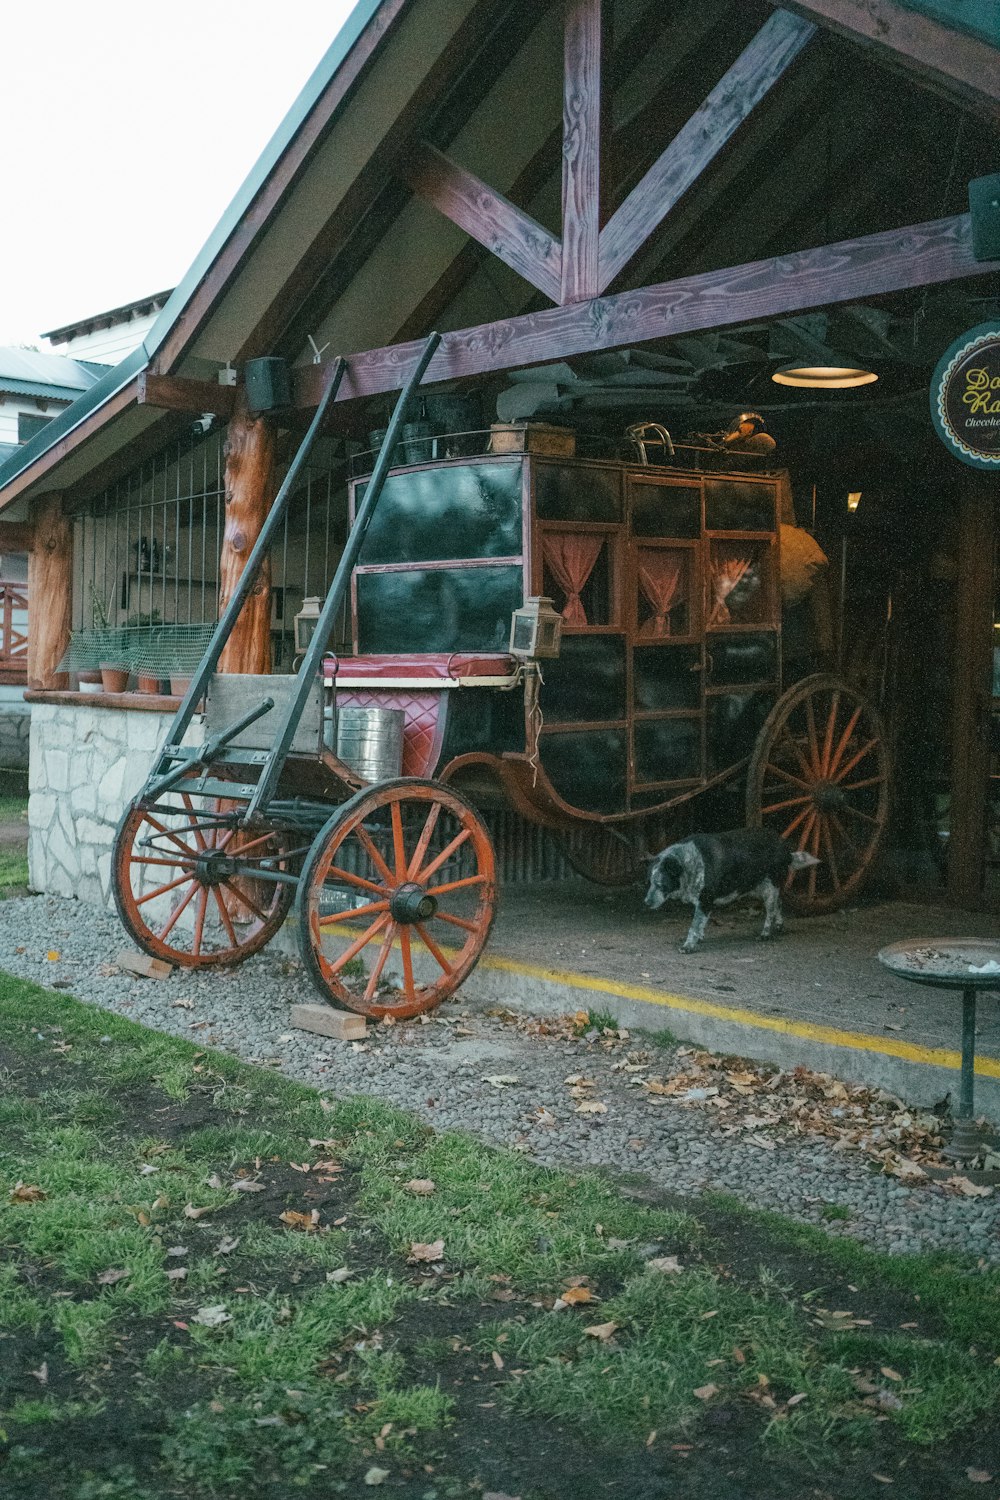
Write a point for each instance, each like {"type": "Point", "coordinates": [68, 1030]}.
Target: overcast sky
{"type": "Point", "coordinates": [126, 131]}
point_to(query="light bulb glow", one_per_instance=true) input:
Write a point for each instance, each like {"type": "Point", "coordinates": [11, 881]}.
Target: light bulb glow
{"type": "Point", "coordinates": [824, 377]}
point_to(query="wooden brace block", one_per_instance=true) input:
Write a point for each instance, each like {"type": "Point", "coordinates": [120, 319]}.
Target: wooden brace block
{"type": "Point", "coordinates": [325, 1021]}
{"type": "Point", "coordinates": [141, 963]}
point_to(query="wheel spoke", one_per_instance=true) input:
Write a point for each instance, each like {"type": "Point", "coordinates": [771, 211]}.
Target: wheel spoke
{"type": "Point", "coordinates": [246, 900]}
{"type": "Point", "coordinates": [859, 756]}
{"type": "Point", "coordinates": [398, 843]}
{"type": "Point", "coordinates": [445, 854]}
{"type": "Point", "coordinates": [349, 916]}
{"type": "Point", "coordinates": [432, 947]}
{"type": "Point", "coordinates": [181, 906]}
{"type": "Point", "coordinates": [856, 812]}
{"type": "Point", "coordinates": [786, 776]}
{"type": "Point", "coordinates": [796, 749]}
{"type": "Point", "coordinates": [409, 988]}
{"type": "Point", "coordinates": [831, 725]}
{"type": "Point", "coordinates": [456, 885]}
{"type": "Point", "coordinates": [171, 864]}
{"type": "Point", "coordinates": [355, 948]}
{"type": "Point", "coordinates": [848, 840]}
{"type": "Point", "coordinates": [383, 954]}
{"type": "Point", "coordinates": [780, 806]}
{"type": "Point", "coordinates": [199, 837]}
{"type": "Point", "coordinates": [173, 837]}
{"type": "Point", "coordinates": [799, 818]}
{"type": "Point", "coordinates": [351, 879]}
{"type": "Point", "coordinates": [161, 890]}
{"type": "Point", "coordinates": [831, 855]}
{"type": "Point", "coordinates": [199, 920]}
{"type": "Point", "coordinates": [423, 843]}
{"type": "Point", "coordinates": [813, 739]}
{"type": "Point", "coordinates": [447, 916]}
{"type": "Point", "coordinates": [814, 851]}
{"type": "Point", "coordinates": [227, 920]}
{"type": "Point", "coordinates": [856, 786]}
{"type": "Point", "coordinates": [243, 849]}
{"type": "Point", "coordinates": [844, 740]}
{"type": "Point", "coordinates": [368, 843]}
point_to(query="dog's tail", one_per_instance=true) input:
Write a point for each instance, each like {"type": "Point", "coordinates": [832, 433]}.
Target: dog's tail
{"type": "Point", "coordinates": [800, 860]}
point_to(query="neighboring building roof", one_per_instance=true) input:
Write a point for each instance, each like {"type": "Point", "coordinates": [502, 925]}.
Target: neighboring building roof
{"type": "Point", "coordinates": [29, 372]}
{"type": "Point", "coordinates": [141, 308]}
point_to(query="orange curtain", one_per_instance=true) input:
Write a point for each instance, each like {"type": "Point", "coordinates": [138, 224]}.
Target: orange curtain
{"type": "Point", "coordinates": [571, 559]}
{"type": "Point", "coordinates": [729, 567]}
{"type": "Point", "coordinates": [660, 578]}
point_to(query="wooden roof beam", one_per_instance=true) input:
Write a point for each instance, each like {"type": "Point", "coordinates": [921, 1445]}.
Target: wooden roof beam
{"type": "Point", "coordinates": [171, 393]}
{"type": "Point", "coordinates": [963, 67]}
{"type": "Point", "coordinates": [487, 217]}
{"type": "Point", "coordinates": [582, 130]}
{"type": "Point", "coordinates": [755, 71]}
{"type": "Point", "coordinates": [897, 259]}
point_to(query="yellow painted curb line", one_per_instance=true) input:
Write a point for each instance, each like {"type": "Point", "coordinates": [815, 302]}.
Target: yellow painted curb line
{"type": "Point", "coordinates": [857, 1041]}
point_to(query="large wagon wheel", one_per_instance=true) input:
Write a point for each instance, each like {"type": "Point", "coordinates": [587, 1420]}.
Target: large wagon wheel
{"type": "Point", "coordinates": [820, 777]}
{"type": "Point", "coordinates": [602, 855]}
{"type": "Point", "coordinates": [191, 887]}
{"type": "Point", "coordinates": [397, 898]}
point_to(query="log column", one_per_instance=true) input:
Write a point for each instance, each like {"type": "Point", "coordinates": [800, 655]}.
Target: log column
{"type": "Point", "coordinates": [250, 490]}
{"type": "Point", "coordinates": [50, 593]}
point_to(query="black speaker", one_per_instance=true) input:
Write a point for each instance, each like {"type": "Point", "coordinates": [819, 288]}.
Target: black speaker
{"type": "Point", "coordinates": [984, 209]}
{"type": "Point", "coordinates": [268, 384]}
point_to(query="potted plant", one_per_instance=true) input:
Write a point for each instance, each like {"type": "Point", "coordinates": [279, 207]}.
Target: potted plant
{"type": "Point", "coordinates": [142, 650]}
{"type": "Point", "coordinates": [111, 655]}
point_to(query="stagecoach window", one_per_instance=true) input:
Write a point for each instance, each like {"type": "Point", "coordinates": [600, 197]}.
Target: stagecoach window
{"type": "Point", "coordinates": [587, 683]}
{"type": "Point", "coordinates": [664, 591]}
{"type": "Point", "coordinates": [580, 492]}
{"type": "Point", "coordinates": [732, 723]}
{"type": "Point", "coordinates": [450, 511]}
{"type": "Point", "coordinates": [663, 509]}
{"type": "Point", "coordinates": [743, 658]}
{"type": "Point", "coordinates": [437, 609]}
{"type": "Point", "coordinates": [738, 505]}
{"type": "Point", "coordinates": [667, 750]}
{"type": "Point", "coordinates": [588, 770]}
{"type": "Point", "coordinates": [740, 583]}
{"type": "Point", "coordinates": [666, 677]}
{"type": "Point", "coordinates": [577, 572]}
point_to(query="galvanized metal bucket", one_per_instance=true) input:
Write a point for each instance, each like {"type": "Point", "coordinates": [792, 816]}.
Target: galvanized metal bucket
{"type": "Point", "coordinates": [370, 741]}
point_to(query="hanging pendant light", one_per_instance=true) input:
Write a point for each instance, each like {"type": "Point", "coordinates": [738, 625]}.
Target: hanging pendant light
{"type": "Point", "coordinates": [831, 377]}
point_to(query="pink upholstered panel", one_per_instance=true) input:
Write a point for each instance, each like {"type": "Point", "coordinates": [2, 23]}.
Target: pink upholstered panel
{"type": "Point", "coordinates": [423, 729]}
{"type": "Point", "coordinates": [447, 668]}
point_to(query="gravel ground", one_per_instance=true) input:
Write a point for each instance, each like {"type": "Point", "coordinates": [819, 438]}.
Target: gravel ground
{"type": "Point", "coordinates": [441, 1070]}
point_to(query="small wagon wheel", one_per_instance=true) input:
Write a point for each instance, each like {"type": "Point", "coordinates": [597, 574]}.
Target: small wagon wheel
{"type": "Point", "coordinates": [820, 777]}
{"type": "Point", "coordinates": [601, 855]}
{"type": "Point", "coordinates": [194, 889]}
{"type": "Point", "coordinates": [397, 899]}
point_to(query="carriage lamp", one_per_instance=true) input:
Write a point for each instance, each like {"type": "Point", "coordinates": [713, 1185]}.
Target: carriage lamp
{"type": "Point", "coordinates": [305, 623]}
{"type": "Point", "coordinates": [853, 500]}
{"type": "Point", "coordinates": [535, 630]}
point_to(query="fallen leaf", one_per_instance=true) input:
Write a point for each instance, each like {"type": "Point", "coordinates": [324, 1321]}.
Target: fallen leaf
{"type": "Point", "coordinates": [212, 1317]}
{"type": "Point", "coordinates": [651, 1439]}
{"type": "Point", "coordinates": [53, 955]}
{"type": "Point", "coordinates": [162, 1201]}
{"type": "Point", "coordinates": [421, 1187]}
{"type": "Point", "coordinates": [978, 1476]}
{"type": "Point", "coordinates": [340, 1275]}
{"type": "Point", "coordinates": [42, 1373]}
{"type": "Point", "coordinates": [183, 1005]}
{"type": "Point", "coordinates": [190, 1212]}
{"type": "Point", "coordinates": [706, 1392]}
{"type": "Point", "coordinates": [215, 1181]}
{"type": "Point", "coordinates": [794, 1400]}
{"type": "Point", "coordinates": [575, 1294]}
{"type": "Point", "coordinates": [24, 1192]}
{"type": "Point", "coordinates": [883, 1479]}
{"type": "Point", "coordinates": [500, 1080]}
{"type": "Point", "coordinates": [669, 1264]}
{"type": "Point", "coordinates": [247, 1185]}
{"type": "Point", "coordinates": [426, 1252]}
{"type": "Point", "coordinates": [376, 1475]}
{"type": "Point", "coordinates": [178, 1273]}
{"type": "Point", "coordinates": [591, 1107]}
{"type": "Point", "coordinates": [497, 1359]}
{"type": "Point", "coordinates": [147, 1169]}
{"type": "Point", "coordinates": [177, 1250]}
{"type": "Point", "coordinates": [295, 1220]}
{"type": "Point", "coordinates": [602, 1331]}
{"type": "Point", "coordinates": [889, 1373]}
{"type": "Point", "coordinates": [970, 1189]}
{"type": "Point", "coordinates": [226, 1245]}
{"type": "Point", "coordinates": [108, 1278]}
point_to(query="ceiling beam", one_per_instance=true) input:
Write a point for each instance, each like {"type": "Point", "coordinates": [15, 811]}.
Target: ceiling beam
{"type": "Point", "coordinates": [897, 259]}
{"type": "Point", "coordinates": [962, 66]}
{"type": "Point", "coordinates": [755, 71]}
{"type": "Point", "coordinates": [170, 393]}
{"type": "Point", "coordinates": [487, 217]}
{"type": "Point", "coordinates": [581, 174]}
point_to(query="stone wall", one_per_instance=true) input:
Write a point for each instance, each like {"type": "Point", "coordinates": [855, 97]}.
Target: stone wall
{"type": "Point", "coordinates": [86, 764]}
{"type": "Point", "coordinates": [15, 723]}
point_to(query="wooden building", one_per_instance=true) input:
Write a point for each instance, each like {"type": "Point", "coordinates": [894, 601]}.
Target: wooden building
{"type": "Point", "coordinates": [638, 211]}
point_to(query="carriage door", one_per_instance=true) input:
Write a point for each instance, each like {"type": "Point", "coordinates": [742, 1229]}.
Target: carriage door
{"type": "Point", "coordinates": [665, 630]}
{"type": "Point", "coordinates": [742, 611]}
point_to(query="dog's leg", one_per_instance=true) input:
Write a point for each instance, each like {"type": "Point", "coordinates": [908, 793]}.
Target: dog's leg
{"type": "Point", "coordinates": [699, 921]}
{"type": "Point", "coordinates": [773, 919]}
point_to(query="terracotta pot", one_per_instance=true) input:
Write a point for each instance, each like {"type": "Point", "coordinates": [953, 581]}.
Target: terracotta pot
{"type": "Point", "coordinates": [146, 684]}
{"type": "Point", "coordinates": [179, 686]}
{"type": "Point", "coordinates": [114, 679]}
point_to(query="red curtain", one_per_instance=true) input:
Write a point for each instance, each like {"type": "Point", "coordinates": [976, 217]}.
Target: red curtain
{"type": "Point", "coordinates": [729, 567]}
{"type": "Point", "coordinates": [571, 559]}
{"type": "Point", "coordinates": [661, 575]}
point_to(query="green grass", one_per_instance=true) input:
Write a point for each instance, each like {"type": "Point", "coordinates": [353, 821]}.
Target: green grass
{"type": "Point", "coordinates": [304, 1378]}
{"type": "Point", "coordinates": [13, 870]}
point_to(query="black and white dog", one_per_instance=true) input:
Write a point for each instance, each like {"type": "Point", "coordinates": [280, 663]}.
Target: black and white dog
{"type": "Point", "coordinates": [712, 869]}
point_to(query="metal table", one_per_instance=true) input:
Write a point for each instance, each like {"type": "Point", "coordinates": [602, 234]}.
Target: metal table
{"type": "Point", "coordinates": [966, 964]}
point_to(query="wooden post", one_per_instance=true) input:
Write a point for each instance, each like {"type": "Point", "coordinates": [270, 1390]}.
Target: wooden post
{"type": "Point", "coordinates": [973, 680]}
{"type": "Point", "coordinates": [50, 593]}
{"type": "Point", "coordinates": [249, 494]}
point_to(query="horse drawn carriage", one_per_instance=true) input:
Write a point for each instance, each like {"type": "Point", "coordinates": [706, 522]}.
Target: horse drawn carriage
{"type": "Point", "coordinates": [654, 679]}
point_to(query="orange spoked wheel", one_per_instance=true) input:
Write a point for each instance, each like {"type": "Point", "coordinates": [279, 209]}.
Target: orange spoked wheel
{"type": "Point", "coordinates": [195, 889]}
{"type": "Point", "coordinates": [820, 777]}
{"type": "Point", "coordinates": [397, 899]}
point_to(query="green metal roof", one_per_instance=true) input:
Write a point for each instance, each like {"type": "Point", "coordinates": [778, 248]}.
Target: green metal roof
{"type": "Point", "coordinates": [980, 17]}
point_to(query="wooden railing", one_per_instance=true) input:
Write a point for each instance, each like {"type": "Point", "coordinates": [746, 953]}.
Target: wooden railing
{"type": "Point", "coordinates": [13, 632]}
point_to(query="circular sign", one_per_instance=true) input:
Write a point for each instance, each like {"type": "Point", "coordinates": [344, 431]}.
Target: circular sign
{"type": "Point", "coordinates": [965, 397]}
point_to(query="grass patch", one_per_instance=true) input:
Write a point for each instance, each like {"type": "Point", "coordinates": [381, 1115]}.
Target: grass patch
{"type": "Point", "coordinates": [286, 1358]}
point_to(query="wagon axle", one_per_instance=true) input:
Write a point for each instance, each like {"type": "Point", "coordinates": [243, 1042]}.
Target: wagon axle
{"type": "Point", "coordinates": [410, 903]}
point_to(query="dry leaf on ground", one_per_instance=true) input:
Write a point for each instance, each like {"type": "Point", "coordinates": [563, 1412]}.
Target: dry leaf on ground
{"type": "Point", "coordinates": [248, 1185]}
{"type": "Point", "coordinates": [426, 1252]}
{"type": "Point", "coordinates": [706, 1392]}
{"type": "Point", "coordinates": [191, 1212]}
{"type": "Point", "coordinates": [666, 1263]}
{"type": "Point", "coordinates": [500, 1080]}
{"type": "Point", "coordinates": [108, 1278]}
{"type": "Point", "coordinates": [575, 1294]}
{"type": "Point", "coordinates": [592, 1107]}
{"type": "Point", "coordinates": [376, 1475]}
{"type": "Point", "coordinates": [969, 1189]}
{"type": "Point", "coordinates": [420, 1187]}
{"type": "Point", "coordinates": [889, 1373]}
{"type": "Point", "coordinates": [179, 1273]}
{"type": "Point", "coordinates": [26, 1192]}
{"type": "Point", "coordinates": [978, 1476]}
{"type": "Point", "coordinates": [602, 1331]}
{"type": "Point", "coordinates": [212, 1317]}
{"type": "Point", "coordinates": [295, 1220]}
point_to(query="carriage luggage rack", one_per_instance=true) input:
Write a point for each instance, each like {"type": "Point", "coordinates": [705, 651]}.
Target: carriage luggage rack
{"type": "Point", "coordinates": [697, 458]}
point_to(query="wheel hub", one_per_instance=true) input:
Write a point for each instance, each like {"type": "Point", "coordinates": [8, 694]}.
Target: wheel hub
{"type": "Point", "coordinates": [212, 868]}
{"type": "Point", "coordinates": [828, 796]}
{"type": "Point", "coordinates": [410, 903]}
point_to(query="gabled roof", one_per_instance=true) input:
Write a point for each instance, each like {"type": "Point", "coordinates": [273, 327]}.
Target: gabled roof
{"type": "Point", "coordinates": [324, 237]}
{"type": "Point", "coordinates": [31, 372]}
{"type": "Point", "coordinates": [140, 308]}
